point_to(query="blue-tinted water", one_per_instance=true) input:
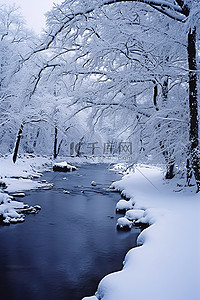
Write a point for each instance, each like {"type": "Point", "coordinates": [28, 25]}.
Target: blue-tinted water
{"type": "Point", "coordinates": [64, 251]}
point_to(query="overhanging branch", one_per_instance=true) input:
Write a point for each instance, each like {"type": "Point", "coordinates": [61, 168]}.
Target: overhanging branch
{"type": "Point", "coordinates": [177, 12]}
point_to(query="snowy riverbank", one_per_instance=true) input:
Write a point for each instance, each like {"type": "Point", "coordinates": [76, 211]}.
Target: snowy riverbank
{"type": "Point", "coordinates": [17, 178]}
{"type": "Point", "coordinates": [166, 263]}
{"type": "Point", "coordinates": [25, 175]}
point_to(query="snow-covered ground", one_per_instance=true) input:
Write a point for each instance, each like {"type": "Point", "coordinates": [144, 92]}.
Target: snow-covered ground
{"type": "Point", "coordinates": [166, 263]}
{"type": "Point", "coordinates": [19, 177]}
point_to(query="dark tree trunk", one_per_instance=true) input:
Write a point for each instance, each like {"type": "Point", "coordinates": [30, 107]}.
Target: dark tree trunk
{"type": "Point", "coordinates": [167, 153]}
{"type": "Point", "coordinates": [59, 146]}
{"type": "Point", "coordinates": [165, 88]}
{"type": "Point", "coordinates": [170, 171]}
{"type": "Point", "coordinates": [37, 135]}
{"type": "Point", "coordinates": [56, 149]}
{"type": "Point", "coordinates": [193, 106]}
{"type": "Point", "coordinates": [169, 162]}
{"type": "Point", "coordinates": [189, 173]}
{"type": "Point", "coordinates": [78, 147]}
{"type": "Point", "coordinates": [19, 134]}
{"type": "Point", "coordinates": [155, 96]}
{"type": "Point", "coordinates": [55, 142]}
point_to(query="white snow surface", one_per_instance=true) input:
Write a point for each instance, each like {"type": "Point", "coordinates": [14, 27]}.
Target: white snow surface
{"type": "Point", "coordinates": [21, 184]}
{"type": "Point", "coordinates": [166, 263]}
{"type": "Point", "coordinates": [18, 177]}
{"type": "Point", "coordinates": [90, 298]}
{"type": "Point", "coordinates": [134, 214]}
{"type": "Point", "coordinates": [65, 164]}
{"type": "Point", "coordinates": [124, 204]}
{"type": "Point", "coordinates": [123, 222]}
{"type": "Point", "coordinates": [121, 168]}
{"type": "Point", "coordinates": [8, 208]}
{"type": "Point", "coordinates": [23, 171]}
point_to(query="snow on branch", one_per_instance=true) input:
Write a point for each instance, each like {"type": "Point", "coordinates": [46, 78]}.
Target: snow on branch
{"type": "Point", "coordinates": [71, 11]}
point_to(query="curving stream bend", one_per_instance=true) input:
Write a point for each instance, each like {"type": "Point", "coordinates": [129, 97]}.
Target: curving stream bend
{"type": "Point", "coordinates": [70, 245]}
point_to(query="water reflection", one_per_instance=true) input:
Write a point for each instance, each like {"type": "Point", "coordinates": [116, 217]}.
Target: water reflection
{"type": "Point", "coordinates": [65, 250]}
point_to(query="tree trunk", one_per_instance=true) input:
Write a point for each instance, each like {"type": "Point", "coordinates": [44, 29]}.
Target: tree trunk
{"type": "Point", "coordinates": [59, 146]}
{"type": "Point", "coordinates": [193, 106]}
{"type": "Point", "coordinates": [166, 151]}
{"type": "Point", "coordinates": [155, 95]}
{"type": "Point", "coordinates": [37, 135]}
{"type": "Point", "coordinates": [189, 173]}
{"type": "Point", "coordinates": [56, 149]}
{"type": "Point", "coordinates": [168, 160]}
{"type": "Point", "coordinates": [55, 142]}
{"type": "Point", "coordinates": [19, 134]}
{"type": "Point", "coordinates": [170, 170]}
{"type": "Point", "coordinates": [165, 88]}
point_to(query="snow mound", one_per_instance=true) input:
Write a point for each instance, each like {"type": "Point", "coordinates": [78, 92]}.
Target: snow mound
{"type": "Point", "coordinates": [123, 205]}
{"type": "Point", "coordinates": [124, 224]}
{"type": "Point", "coordinates": [12, 211]}
{"type": "Point", "coordinates": [21, 184]}
{"type": "Point", "coordinates": [10, 220]}
{"type": "Point", "coordinates": [19, 194]}
{"type": "Point", "coordinates": [90, 298]}
{"type": "Point", "coordinates": [119, 167]}
{"type": "Point", "coordinates": [134, 214]}
{"type": "Point", "coordinates": [63, 167]}
{"type": "Point", "coordinates": [150, 216]}
{"type": "Point", "coordinates": [31, 209]}
{"type": "Point", "coordinates": [66, 192]}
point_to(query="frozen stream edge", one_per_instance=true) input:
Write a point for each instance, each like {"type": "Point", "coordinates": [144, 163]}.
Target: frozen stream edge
{"type": "Point", "coordinates": [165, 265]}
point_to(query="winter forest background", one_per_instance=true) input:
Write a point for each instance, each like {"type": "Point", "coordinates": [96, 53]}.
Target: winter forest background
{"type": "Point", "coordinates": [104, 71]}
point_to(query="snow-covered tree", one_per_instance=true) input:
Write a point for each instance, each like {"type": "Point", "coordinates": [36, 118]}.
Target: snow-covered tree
{"type": "Point", "coordinates": [27, 118]}
{"type": "Point", "coordinates": [124, 61]}
{"type": "Point", "coordinates": [99, 25]}
{"type": "Point", "coordinates": [15, 40]}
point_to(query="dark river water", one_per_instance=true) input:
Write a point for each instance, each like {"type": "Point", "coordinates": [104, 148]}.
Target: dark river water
{"type": "Point", "coordinates": [64, 251]}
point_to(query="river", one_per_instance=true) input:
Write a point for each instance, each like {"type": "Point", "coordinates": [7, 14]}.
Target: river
{"type": "Point", "coordinates": [70, 245]}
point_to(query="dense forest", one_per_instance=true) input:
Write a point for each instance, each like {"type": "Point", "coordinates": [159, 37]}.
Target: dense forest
{"type": "Point", "coordinates": [104, 71]}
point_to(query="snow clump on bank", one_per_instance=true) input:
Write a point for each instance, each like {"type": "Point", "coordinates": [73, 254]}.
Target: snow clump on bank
{"type": "Point", "coordinates": [12, 211]}
{"type": "Point", "coordinates": [123, 205]}
{"type": "Point", "coordinates": [134, 214]}
{"type": "Point", "coordinates": [124, 224]}
{"type": "Point", "coordinates": [63, 167]}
